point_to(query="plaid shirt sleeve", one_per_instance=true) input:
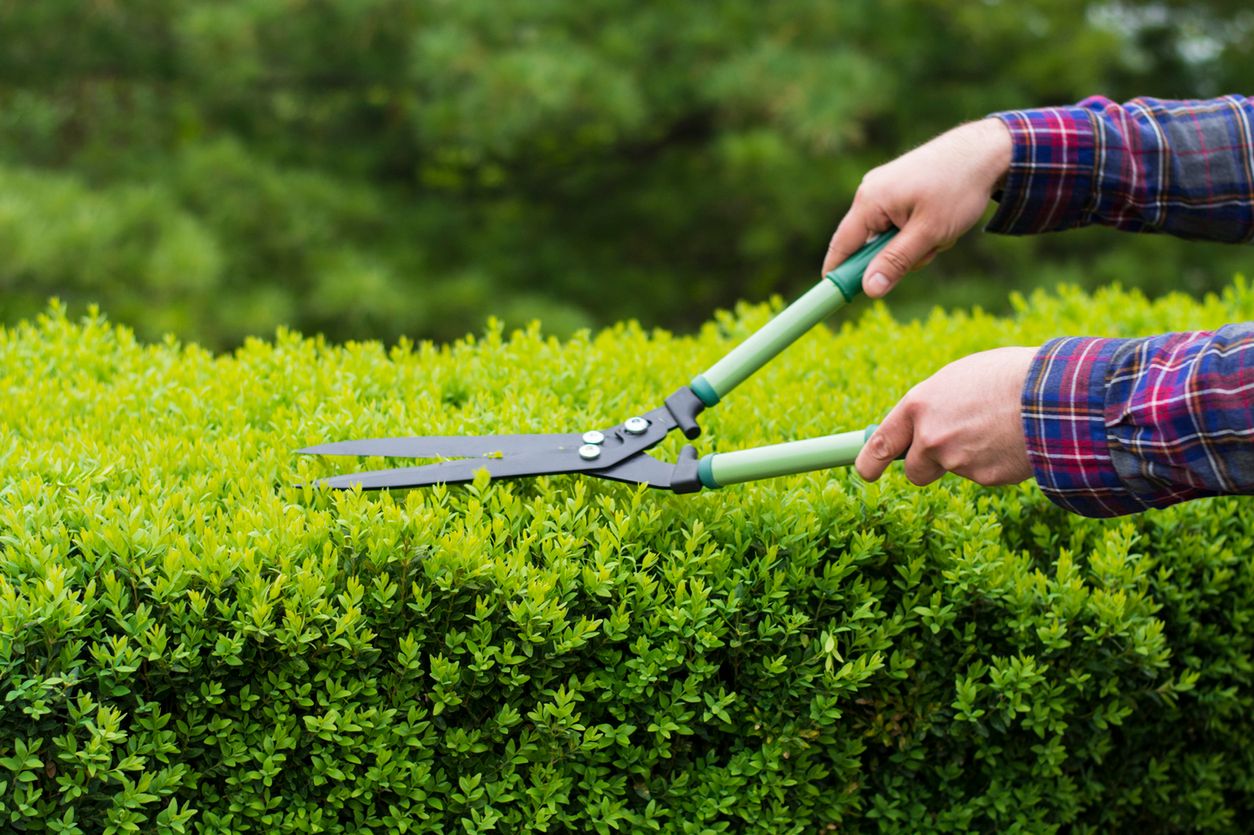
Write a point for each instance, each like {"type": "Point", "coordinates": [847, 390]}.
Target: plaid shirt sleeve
{"type": "Point", "coordinates": [1181, 167]}
{"type": "Point", "coordinates": [1116, 426]}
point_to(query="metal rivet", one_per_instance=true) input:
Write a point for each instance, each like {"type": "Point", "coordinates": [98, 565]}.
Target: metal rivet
{"type": "Point", "coordinates": [592, 436]}
{"type": "Point", "coordinates": [589, 452]}
{"type": "Point", "coordinates": [636, 425]}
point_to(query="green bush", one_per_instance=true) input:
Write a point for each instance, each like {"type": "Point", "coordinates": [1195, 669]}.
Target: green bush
{"type": "Point", "coordinates": [188, 644]}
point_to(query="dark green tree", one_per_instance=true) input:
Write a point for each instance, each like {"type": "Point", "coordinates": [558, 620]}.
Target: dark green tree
{"type": "Point", "coordinates": [378, 167]}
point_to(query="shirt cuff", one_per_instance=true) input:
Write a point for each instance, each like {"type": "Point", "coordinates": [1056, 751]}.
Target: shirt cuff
{"type": "Point", "coordinates": [1064, 423]}
{"type": "Point", "coordinates": [1050, 184]}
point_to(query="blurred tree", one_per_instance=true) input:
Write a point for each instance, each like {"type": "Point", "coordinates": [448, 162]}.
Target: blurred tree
{"type": "Point", "coordinates": [379, 167]}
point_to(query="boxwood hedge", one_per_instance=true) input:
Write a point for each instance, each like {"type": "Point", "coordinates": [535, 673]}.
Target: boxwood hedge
{"type": "Point", "coordinates": [187, 643]}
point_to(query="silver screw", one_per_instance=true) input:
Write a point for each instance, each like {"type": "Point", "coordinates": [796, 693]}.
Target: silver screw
{"type": "Point", "coordinates": [592, 436]}
{"type": "Point", "coordinates": [589, 452]}
{"type": "Point", "coordinates": [636, 425]}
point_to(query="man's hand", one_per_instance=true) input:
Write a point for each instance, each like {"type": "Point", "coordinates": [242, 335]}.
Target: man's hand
{"type": "Point", "coordinates": [933, 194]}
{"type": "Point", "coordinates": [964, 419]}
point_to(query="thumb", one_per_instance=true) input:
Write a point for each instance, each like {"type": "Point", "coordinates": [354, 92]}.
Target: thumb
{"type": "Point", "coordinates": [889, 441]}
{"type": "Point", "coordinates": [902, 254]}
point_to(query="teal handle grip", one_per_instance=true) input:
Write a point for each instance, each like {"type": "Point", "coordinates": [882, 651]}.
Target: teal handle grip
{"type": "Point", "coordinates": [848, 276]}
{"type": "Point", "coordinates": [837, 288]}
{"type": "Point", "coordinates": [723, 468]}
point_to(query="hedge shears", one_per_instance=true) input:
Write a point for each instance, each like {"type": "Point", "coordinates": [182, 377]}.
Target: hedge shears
{"type": "Point", "coordinates": [620, 452]}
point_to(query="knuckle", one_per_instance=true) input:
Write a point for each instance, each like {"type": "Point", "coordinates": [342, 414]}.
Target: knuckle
{"type": "Point", "coordinates": [896, 259]}
{"type": "Point", "coordinates": [914, 406]}
{"type": "Point", "coordinates": [931, 227]}
{"type": "Point", "coordinates": [878, 447]}
{"type": "Point", "coordinates": [871, 184]}
{"type": "Point", "coordinates": [953, 458]}
{"type": "Point", "coordinates": [929, 440]}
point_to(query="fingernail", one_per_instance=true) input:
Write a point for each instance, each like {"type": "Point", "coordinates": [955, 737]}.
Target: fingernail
{"type": "Point", "coordinates": [878, 284]}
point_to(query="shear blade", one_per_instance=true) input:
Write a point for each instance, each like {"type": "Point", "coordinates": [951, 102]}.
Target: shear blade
{"type": "Point", "coordinates": [432, 446]}
{"type": "Point", "coordinates": [641, 469]}
{"type": "Point", "coordinates": [457, 472]}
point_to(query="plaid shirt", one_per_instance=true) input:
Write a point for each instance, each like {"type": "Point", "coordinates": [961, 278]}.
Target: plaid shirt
{"type": "Point", "coordinates": [1115, 426]}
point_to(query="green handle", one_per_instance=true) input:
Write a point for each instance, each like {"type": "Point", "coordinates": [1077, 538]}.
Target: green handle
{"type": "Point", "coordinates": [723, 468]}
{"type": "Point", "coordinates": [837, 288]}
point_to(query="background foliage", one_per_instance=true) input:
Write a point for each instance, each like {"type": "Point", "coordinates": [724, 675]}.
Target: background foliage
{"type": "Point", "coordinates": [386, 167]}
{"type": "Point", "coordinates": [186, 644]}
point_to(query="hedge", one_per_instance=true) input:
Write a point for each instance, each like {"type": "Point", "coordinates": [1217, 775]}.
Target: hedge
{"type": "Point", "coordinates": [190, 644]}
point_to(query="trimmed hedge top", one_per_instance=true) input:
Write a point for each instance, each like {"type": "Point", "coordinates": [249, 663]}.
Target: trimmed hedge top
{"type": "Point", "coordinates": [187, 644]}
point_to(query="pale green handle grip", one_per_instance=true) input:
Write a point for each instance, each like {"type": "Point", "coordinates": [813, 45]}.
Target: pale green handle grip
{"type": "Point", "coordinates": [723, 468]}
{"type": "Point", "coordinates": [839, 286]}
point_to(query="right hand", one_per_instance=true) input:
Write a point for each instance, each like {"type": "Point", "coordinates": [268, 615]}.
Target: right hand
{"type": "Point", "coordinates": [933, 194]}
{"type": "Point", "coordinates": [966, 419]}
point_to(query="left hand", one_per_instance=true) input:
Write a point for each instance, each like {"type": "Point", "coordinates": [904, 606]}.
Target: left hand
{"type": "Point", "coordinates": [933, 194]}
{"type": "Point", "coordinates": [964, 419]}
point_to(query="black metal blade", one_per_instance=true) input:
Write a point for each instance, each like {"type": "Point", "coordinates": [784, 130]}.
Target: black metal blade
{"type": "Point", "coordinates": [642, 469]}
{"type": "Point", "coordinates": [448, 446]}
{"type": "Point", "coordinates": [460, 471]}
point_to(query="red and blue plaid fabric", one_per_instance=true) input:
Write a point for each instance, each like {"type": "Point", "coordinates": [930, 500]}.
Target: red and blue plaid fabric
{"type": "Point", "coordinates": [1181, 167]}
{"type": "Point", "coordinates": [1116, 426]}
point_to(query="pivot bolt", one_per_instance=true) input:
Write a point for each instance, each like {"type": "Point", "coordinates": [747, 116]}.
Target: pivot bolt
{"type": "Point", "coordinates": [636, 425]}
{"type": "Point", "coordinates": [589, 452]}
{"type": "Point", "coordinates": [592, 436]}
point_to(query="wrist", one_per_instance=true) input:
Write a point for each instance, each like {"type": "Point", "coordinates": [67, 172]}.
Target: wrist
{"type": "Point", "coordinates": [996, 149]}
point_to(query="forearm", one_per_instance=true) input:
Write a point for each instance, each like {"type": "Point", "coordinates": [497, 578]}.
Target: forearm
{"type": "Point", "coordinates": [1185, 168]}
{"type": "Point", "coordinates": [1116, 426]}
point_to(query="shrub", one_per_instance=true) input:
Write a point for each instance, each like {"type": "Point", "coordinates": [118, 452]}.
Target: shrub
{"type": "Point", "coordinates": [187, 644]}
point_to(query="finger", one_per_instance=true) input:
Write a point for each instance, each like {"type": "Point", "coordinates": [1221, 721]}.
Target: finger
{"type": "Point", "coordinates": [856, 228]}
{"type": "Point", "coordinates": [889, 440]}
{"type": "Point", "coordinates": [844, 239]}
{"type": "Point", "coordinates": [921, 468]}
{"type": "Point", "coordinates": [931, 256]}
{"type": "Point", "coordinates": [901, 255]}
{"type": "Point", "coordinates": [927, 259]}
{"type": "Point", "coordinates": [921, 465]}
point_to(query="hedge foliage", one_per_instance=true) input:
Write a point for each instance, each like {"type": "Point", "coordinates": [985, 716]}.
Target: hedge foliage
{"type": "Point", "coordinates": [188, 644]}
{"type": "Point", "coordinates": [372, 168]}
